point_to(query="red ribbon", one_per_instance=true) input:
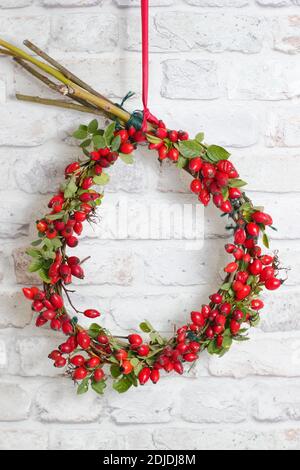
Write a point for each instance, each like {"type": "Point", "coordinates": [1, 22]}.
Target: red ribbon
{"type": "Point", "coordinates": [148, 116]}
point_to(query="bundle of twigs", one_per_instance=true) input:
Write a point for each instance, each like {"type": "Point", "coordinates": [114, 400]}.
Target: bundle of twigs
{"type": "Point", "coordinates": [64, 82]}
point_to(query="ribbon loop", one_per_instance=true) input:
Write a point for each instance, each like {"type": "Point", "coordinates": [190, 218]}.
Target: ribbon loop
{"type": "Point", "coordinates": [147, 116]}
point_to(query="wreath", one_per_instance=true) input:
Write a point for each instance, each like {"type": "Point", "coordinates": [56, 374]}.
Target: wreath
{"type": "Point", "coordinates": [91, 355]}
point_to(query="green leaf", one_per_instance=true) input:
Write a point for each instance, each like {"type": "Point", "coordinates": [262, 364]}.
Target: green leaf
{"type": "Point", "coordinates": [266, 240]}
{"type": "Point", "coordinates": [236, 183]}
{"type": "Point", "coordinates": [43, 273]}
{"type": "Point", "coordinates": [227, 342]}
{"type": "Point", "coordinates": [36, 242]}
{"type": "Point", "coordinates": [122, 385]}
{"type": "Point", "coordinates": [83, 387]}
{"type": "Point", "coordinates": [128, 159]}
{"type": "Point", "coordinates": [216, 153]}
{"type": "Point", "coordinates": [99, 387]}
{"type": "Point", "coordinates": [225, 193]}
{"type": "Point", "coordinates": [81, 133]}
{"type": "Point", "coordinates": [109, 132]}
{"type": "Point", "coordinates": [99, 142]}
{"type": "Point", "coordinates": [115, 371]}
{"type": "Point", "coordinates": [152, 139]}
{"type": "Point", "coordinates": [190, 148]}
{"type": "Point", "coordinates": [93, 126]}
{"type": "Point", "coordinates": [86, 143]}
{"type": "Point", "coordinates": [94, 330]}
{"type": "Point", "coordinates": [35, 265]}
{"type": "Point", "coordinates": [213, 348]}
{"type": "Point", "coordinates": [115, 145]}
{"type": "Point", "coordinates": [102, 179]}
{"type": "Point", "coordinates": [146, 327]}
{"type": "Point", "coordinates": [71, 188]}
{"type": "Point", "coordinates": [181, 162]}
{"type": "Point", "coordinates": [33, 253]}
{"type": "Point", "coordinates": [58, 215]}
{"type": "Point", "coordinates": [200, 137]}
{"type": "Point", "coordinates": [226, 286]}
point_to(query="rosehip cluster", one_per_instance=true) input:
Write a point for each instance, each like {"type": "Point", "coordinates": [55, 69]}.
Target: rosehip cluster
{"type": "Point", "coordinates": [166, 140]}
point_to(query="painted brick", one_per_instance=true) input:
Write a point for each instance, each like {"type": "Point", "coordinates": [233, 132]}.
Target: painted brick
{"type": "Point", "coordinates": [218, 3]}
{"type": "Point", "coordinates": [277, 402]}
{"type": "Point", "coordinates": [136, 3]}
{"type": "Point", "coordinates": [185, 31]}
{"type": "Point", "coordinates": [267, 355]}
{"type": "Point", "coordinates": [21, 263]}
{"type": "Point", "coordinates": [34, 355]}
{"type": "Point", "coordinates": [205, 402]}
{"type": "Point", "coordinates": [148, 406]}
{"type": "Point", "coordinates": [286, 34]}
{"type": "Point", "coordinates": [12, 311]}
{"type": "Point", "coordinates": [251, 80]}
{"type": "Point", "coordinates": [190, 79]}
{"type": "Point", "coordinates": [80, 439]}
{"type": "Point", "coordinates": [283, 128]}
{"type": "Point", "coordinates": [57, 402]}
{"type": "Point", "coordinates": [84, 33]}
{"type": "Point", "coordinates": [15, 28]}
{"type": "Point", "coordinates": [14, 403]}
{"type": "Point", "coordinates": [15, 213]}
{"type": "Point", "coordinates": [70, 3]}
{"type": "Point", "coordinates": [23, 439]}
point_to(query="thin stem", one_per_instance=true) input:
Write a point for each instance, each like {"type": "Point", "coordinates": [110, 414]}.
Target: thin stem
{"type": "Point", "coordinates": [60, 104]}
{"type": "Point", "coordinates": [63, 69]}
{"type": "Point", "coordinates": [70, 301]}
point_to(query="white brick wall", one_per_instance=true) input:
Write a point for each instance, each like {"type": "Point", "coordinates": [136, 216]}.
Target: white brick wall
{"type": "Point", "coordinates": [230, 68]}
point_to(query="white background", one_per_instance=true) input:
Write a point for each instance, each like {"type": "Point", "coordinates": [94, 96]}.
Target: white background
{"type": "Point", "coordinates": [229, 68]}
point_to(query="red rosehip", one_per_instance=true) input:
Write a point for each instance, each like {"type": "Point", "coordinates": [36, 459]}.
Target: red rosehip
{"type": "Point", "coordinates": [190, 357]}
{"type": "Point", "coordinates": [173, 136]}
{"type": "Point", "coordinates": [216, 298]}
{"type": "Point", "coordinates": [72, 241]}
{"type": "Point", "coordinates": [121, 355]}
{"type": "Point", "coordinates": [204, 197]}
{"type": "Point", "coordinates": [266, 260]}
{"type": "Point", "coordinates": [143, 350]}
{"type": "Point", "coordinates": [73, 260]}
{"type": "Point", "coordinates": [93, 362]}
{"type": "Point", "coordinates": [210, 333]}
{"type": "Point", "coordinates": [226, 207]}
{"type": "Point", "coordinates": [98, 375]}
{"type": "Point", "coordinates": [267, 273]}
{"type": "Point", "coordinates": [67, 328]}
{"type": "Point", "coordinates": [155, 376]}
{"type": "Point", "coordinates": [83, 340]}
{"type": "Point", "coordinates": [77, 271]}
{"type": "Point", "coordinates": [208, 170]}
{"type": "Point", "coordinates": [273, 283]}
{"type": "Point", "coordinates": [198, 318]}
{"type": "Point", "coordinates": [127, 367]}
{"type": "Point", "coordinates": [196, 186]}
{"type": "Point", "coordinates": [221, 178]}
{"type": "Point", "coordinates": [28, 293]}
{"type": "Point", "coordinates": [127, 148]}
{"type": "Point", "coordinates": [240, 236]}
{"type": "Point", "coordinates": [60, 362]}
{"type": "Point", "coordinates": [77, 360]}
{"type": "Point", "coordinates": [257, 304]}
{"type": "Point", "coordinates": [54, 355]}
{"type": "Point", "coordinates": [173, 155]}
{"type": "Point", "coordinates": [40, 321]}
{"type": "Point", "coordinates": [182, 135]}
{"type": "Point", "coordinates": [262, 218]}
{"type": "Point", "coordinates": [178, 367]}
{"type": "Point", "coordinates": [194, 347]}
{"type": "Point", "coordinates": [161, 133]}
{"type": "Point", "coordinates": [220, 340]}
{"type": "Point", "coordinates": [42, 226]}
{"type": "Point", "coordinates": [225, 308]}
{"type": "Point", "coordinates": [91, 313]}
{"type": "Point", "coordinates": [123, 135]}
{"type": "Point", "coordinates": [163, 152]}
{"type": "Point", "coordinates": [80, 373]}
{"type": "Point", "coordinates": [49, 314]}
{"type": "Point", "coordinates": [72, 168]}
{"type": "Point", "coordinates": [182, 347]}
{"type": "Point", "coordinates": [235, 193]}
{"type": "Point", "coordinates": [195, 164]}
{"type": "Point", "coordinates": [144, 375]}
{"type": "Point", "coordinates": [57, 301]}
{"type": "Point", "coordinates": [55, 324]}
{"type": "Point", "coordinates": [135, 339]}
{"type": "Point", "coordinates": [256, 267]}
{"type": "Point", "coordinates": [231, 267]}
{"type": "Point", "coordinates": [242, 293]}
{"type": "Point", "coordinates": [252, 229]}
{"type": "Point", "coordinates": [234, 327]}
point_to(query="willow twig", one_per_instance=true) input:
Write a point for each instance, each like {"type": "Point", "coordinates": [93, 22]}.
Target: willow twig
{"type": "Point", "coordinates": [63, 69]}
{"type": "Point", "coordinates": [60, 104]}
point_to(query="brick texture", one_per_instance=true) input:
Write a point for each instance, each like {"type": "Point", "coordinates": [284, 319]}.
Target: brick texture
{"type": "Point", "coordinates": [229, 68]}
